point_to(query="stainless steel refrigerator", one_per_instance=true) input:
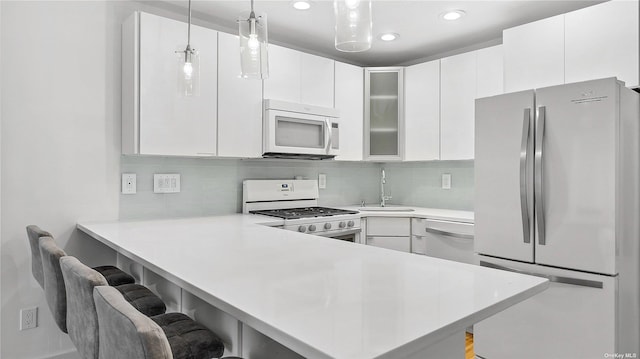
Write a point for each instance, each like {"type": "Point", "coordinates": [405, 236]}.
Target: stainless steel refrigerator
{"type": "Point", "coordinates": [557, 195]}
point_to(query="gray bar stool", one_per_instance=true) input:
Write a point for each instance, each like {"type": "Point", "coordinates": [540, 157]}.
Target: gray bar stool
{"type": "Point", "coordinates": [125, 333]}
{"type": "Point", "coordinates": [56, 293]}
{"type": "Point", "coordinates": [114, 275]}
{"type": "Point", "coordinates": [82, 319]}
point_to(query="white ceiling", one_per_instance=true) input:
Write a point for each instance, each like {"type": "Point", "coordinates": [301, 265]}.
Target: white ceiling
{"type": "Point", "coordinates": [423, 35]}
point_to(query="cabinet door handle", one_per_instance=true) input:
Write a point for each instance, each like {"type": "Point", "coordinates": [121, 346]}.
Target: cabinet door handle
{"type": "Point", "coordinates": [449, 234]}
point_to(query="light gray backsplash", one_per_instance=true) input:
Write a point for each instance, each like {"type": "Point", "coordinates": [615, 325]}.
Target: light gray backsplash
{"type": "Point", "coordinates": [420, 184]}
{"type": "Point", "coordinates": [214, 186]}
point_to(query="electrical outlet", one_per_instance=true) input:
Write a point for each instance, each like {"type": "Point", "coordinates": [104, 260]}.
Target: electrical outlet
{"type": "Point", "coordinates": [166, 183]}
{"type": "Point", "coordinates": [128, 183]}
{"type": "Point", "coordinates": [446, 181]}
{"type": "Point", "coordinates": [322, 181]}
{"type": "Point", "coordinates": [28, 318]}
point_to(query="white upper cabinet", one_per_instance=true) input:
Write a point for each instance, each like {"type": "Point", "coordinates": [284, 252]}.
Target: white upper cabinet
{"type": "Point", "coordinates": [490, 70]}
{"type": "Point", "coordinates": [602, 41]}
{"type": "Point", "coordinates": [534, 54]}
{"type": "Point", "coordinates": [457, 98]}
{"type": "Point", "coordinates": [349, 100]}
{"type": "Point", "coordinates": [384, 113]}
{"type": "Point", "coordinates": [239, 105]}
{"type": "Point", "coordinates": [156, 120]}
{"type": "Point", "coordinates": [422, 112]}
{"type": "Point", "coordinates": [298, 77]}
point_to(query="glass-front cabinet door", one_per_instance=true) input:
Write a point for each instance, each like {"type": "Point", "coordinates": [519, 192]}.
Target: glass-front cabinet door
{"type": "Point", "coordinates": [384, 113]}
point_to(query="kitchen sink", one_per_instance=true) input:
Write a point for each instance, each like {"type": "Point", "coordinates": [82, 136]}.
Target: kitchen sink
{"type": "Point", "coordinates": [386, 209]}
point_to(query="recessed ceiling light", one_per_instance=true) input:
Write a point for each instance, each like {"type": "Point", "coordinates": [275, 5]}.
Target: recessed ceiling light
{"type": "Point", "coordinates": [452, 15]}
{"type": "Point", "coordinates": [301, 4]}
{"type": "Point", "coordinates": [389, 36]}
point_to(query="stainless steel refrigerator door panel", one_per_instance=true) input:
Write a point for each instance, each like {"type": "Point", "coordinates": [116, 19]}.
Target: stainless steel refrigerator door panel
{"type": "Point", "coordinates": [577, 197]}
{"type": "Point", "coordinates": [545, 325]}
{"type": "Point", "coordinates": [501, 177]}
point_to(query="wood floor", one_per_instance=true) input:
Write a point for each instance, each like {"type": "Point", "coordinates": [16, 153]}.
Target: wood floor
{"type": "Point", "coordinates": [468, 346]}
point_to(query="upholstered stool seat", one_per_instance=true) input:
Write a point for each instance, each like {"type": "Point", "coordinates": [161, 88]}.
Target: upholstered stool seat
{"type": "Point", "coordinates": [187, 338]}
{"type": "Point", "coordinates": [56, 293]}
{"type": "Point", "coordinates": [114, 275]}
{"type": "Point", "coordinates": [125, 333]}
{"type": "Point", "coordinates": [141, 298]}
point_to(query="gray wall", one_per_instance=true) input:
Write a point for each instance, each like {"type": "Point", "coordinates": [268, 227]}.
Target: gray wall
{"type": "Point", "coordinates": [214, 186]}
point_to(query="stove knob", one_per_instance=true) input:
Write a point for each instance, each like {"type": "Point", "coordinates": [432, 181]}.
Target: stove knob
{"type": "Point", "coordinates": [312, 228]}
{"type": "Point", "coordinates": [350, 224]}
{"type": "Point", "coordinates": [302, 229]}
{"type": "Point", "coordinates": [342, 224]}
{"type": "Point", "coordinates": [327, 226]}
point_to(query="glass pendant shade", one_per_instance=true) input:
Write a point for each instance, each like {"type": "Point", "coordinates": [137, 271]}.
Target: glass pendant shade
{"type": "Point", "coordinates": [254, 60]}
{"type": "Point", "coordinates": [188, 72]}
{"type": "Point", "coordinates": [188, 67]}
{"type": "Point", "coordinates": [353, 25]}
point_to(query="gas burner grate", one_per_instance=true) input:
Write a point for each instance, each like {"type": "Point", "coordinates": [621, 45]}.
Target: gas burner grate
{"type": "Point", "coordinates": [303, 212]}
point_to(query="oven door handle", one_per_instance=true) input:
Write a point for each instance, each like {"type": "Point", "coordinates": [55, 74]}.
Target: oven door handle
{"type": "Point", "coordinates": [338, 233]}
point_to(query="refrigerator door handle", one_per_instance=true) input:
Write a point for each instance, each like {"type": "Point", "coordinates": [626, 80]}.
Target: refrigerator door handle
{"type": "Point", "coordinates": [551, 278]}
{"type": "Point", "coordinates": [524, 156]}
{"type": "Point", "coordinates": [538, 196]}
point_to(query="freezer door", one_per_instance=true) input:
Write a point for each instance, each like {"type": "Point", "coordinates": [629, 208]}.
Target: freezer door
{"type": "Point", "coordinates": [565, 321]}
{"type": "Point", "coordinates": [575, 175]}
{"type": "Point", "coordinates": [504, 176]}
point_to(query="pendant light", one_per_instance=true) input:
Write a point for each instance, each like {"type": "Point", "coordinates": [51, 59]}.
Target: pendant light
{"type": "Point", "coordinates": [254, 61]}
{"type": "Point", "coordinates": [353, 25]}
{"type": "Point", "coordinates": [188, 68]}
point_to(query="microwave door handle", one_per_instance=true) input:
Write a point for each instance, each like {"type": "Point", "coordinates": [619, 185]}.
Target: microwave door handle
{"type": "Point", "coordinates": [327, 124]}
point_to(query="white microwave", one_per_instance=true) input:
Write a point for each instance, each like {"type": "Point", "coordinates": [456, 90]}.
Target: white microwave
{"type": "Point", "coordinates": [293, 130]}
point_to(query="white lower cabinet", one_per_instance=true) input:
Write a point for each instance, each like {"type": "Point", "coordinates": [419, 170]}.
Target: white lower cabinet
{"type": "Point", "coordinates": [396, 243]}
{"type": "Point", "coordinates": [389, 232]}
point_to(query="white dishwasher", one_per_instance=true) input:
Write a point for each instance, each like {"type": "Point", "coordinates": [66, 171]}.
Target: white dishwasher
{"type": "Point", "coordinates": [443, 239]}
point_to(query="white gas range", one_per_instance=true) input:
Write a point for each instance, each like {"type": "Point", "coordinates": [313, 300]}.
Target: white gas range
{"type": "Point", "coordinates": [296, 202]}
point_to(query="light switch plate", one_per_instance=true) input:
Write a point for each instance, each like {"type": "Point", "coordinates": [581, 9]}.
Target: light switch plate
{"type": "Point", "coordinates": [166, 183]}
{"type": "Point", "coordinates": [322, 181]}
{"type": "Point", "coordinates": [128, 183]}
{"type": "Point", "coordinates": [446, 181]}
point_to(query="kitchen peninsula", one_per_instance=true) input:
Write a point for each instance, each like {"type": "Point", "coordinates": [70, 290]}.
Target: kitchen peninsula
{"type": "Point", "coordinates": [319, 297]}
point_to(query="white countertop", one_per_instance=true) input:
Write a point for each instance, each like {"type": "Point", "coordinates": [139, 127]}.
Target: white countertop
{"type": "Point", "coordinates": [322, 298]}
{"type": "Point", "coordinates": [417, 212]}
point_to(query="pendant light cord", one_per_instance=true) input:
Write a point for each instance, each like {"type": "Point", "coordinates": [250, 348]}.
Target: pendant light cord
{"type": "Point", "coordinates": [189, 28]}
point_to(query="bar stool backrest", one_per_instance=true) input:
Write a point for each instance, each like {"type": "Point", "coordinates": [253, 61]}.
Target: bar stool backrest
{"type": "Point", "coordinates": [124, 331]}
{"type": "Point", "coordinates": [54, 289]}
{"type": "Point", "coordinates": [82, 319]}
{"type": "Point", "coordinates": [34, 233]}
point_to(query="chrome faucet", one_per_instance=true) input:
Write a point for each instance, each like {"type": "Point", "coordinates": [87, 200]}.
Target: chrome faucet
{"type": "Point", "coordinates": [383, 198]}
